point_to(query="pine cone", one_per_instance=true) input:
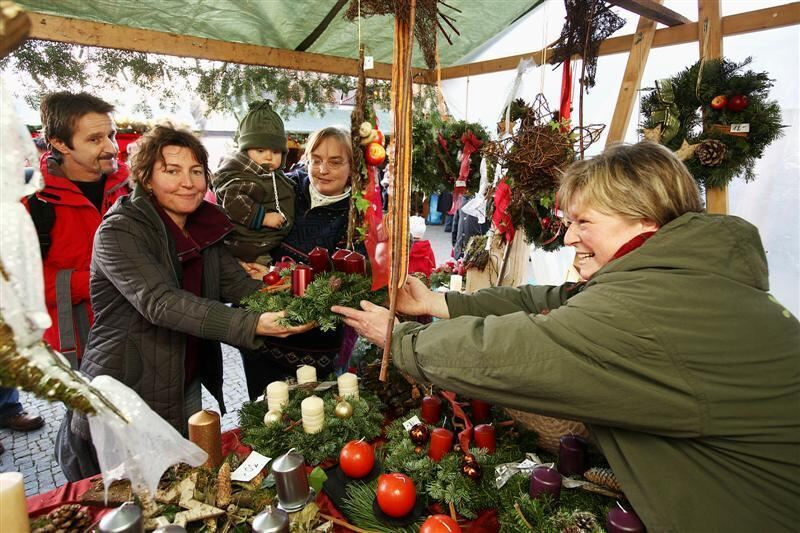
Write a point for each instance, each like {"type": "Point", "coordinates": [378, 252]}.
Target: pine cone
{"type": "Point", "coordinates": [70, 517]}
{"type": "Point", "coordinates": [396, 393]}
{"type": "Point", "coordinates": [581, 522]}
{"type": "Point", "coordinates": [711, 152]}
{"type": "Point", "coordinates": [604, 477]}
{"type": "Point", "coordinates": [334, 283]}
{"type": "Point", "coordinates": [224, 486]}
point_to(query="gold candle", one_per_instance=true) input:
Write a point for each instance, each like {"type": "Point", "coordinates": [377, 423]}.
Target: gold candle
{"type": "Point", "coordinates": [204, 430]}
{"type": "Point", "coordinates": [13, 509]}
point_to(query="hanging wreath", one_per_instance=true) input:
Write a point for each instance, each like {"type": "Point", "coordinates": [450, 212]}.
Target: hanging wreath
{"type": "Point", "coordinates": [719, 124]}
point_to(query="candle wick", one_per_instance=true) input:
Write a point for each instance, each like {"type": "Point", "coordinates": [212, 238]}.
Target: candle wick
{"type": "Point", "coordinates": [621, 507]}
{"type": "Point", "coordinates": [444, 422]}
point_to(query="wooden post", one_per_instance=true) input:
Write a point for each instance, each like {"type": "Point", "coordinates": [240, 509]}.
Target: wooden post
{"type": "Point", "coordinates": [632, 79]}
{"type": "Point", "coordinates": [709, 26]}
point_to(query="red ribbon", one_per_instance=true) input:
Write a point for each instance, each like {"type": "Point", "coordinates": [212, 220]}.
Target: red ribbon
{"type": "Point", "coordinates": [501, 219]}
{"type": "Point", "coordinates": [471, 145]}
{"type": "Point", "coordinates": [566, 93]}
{"type": "Point", "coordinates": [377, 238]}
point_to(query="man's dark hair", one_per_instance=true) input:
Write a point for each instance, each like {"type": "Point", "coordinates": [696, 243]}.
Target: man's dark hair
{"type": "Point", "coordinates": [150, 148]}
{"type": "Point", "coordinates": [62, 110]}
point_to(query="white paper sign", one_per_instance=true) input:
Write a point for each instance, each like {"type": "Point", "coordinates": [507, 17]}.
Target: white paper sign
{"type": "Point", "coordinates": [740, 128]}
{"type": "Point", "coordinates": [250, 468]}
{"type": "Point", "coordinates": [461, 183]}
{"type": "Point", "coordinates": [369, 62]}
{"type": "Point", "coordinates": [411, 422]}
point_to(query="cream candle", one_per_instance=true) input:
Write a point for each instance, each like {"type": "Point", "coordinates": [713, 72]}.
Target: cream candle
{"type": "Point", "coordinates": [313, 413]}
{"type": "Point", "coordinates": [456, 281]}
{"type": "Point", "coordinates": [13, 510]}
{"type": "Point", "coordinates": [306, 374]}
{"type": "Point", "coordinates": [277, 395]}
{"type": "Point", "coordinates": [348, 385]}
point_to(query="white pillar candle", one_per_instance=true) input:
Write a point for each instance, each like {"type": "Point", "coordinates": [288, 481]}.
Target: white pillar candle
{"type": "Point", "coordinates": [348, 385]}
{"type": "Point", "coordinates": [456, 281]}
{"type": "Point", "coordinates": [306, 374]}
{"type": "Point", "coordinates": [313, 413]}
{"type": "Point", "coordinates": [277, 395]}
{"type": "Point", "coordinates": [13, 510]}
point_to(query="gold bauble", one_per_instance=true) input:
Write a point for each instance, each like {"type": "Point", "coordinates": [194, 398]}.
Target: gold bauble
{"type": "Point", "coordinates": [272, 416]}
{"type": "Point", "coordinates": [343, 410]}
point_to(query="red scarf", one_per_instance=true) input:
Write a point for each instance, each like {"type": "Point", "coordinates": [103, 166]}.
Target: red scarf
{"type": "Point", "coordinates": [633, 244]}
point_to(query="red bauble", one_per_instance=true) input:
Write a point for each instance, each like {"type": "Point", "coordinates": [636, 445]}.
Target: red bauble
{"type": "Point", "coordinates": [738, 103]}
{"type": "Point", "coordinates": [375, 154]}
{"type": "Point", "coordinates": [419, 434]}
{"type": "Point", "coordinates": [440, 523]}
{"type": "Point", "coordinates": [272, 278]}
{"type": "Point", "coordinates": [396, 494]}
{"type": "Point", "coordinates": [719, 102]}
{"type": "Point", "coordinates": [356, 459]}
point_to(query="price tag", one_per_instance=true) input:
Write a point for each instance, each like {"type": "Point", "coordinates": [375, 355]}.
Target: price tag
{"type": "Point", "coordinates": [250, 468]}
{"type": "Point", "coordinates": [411, 422]}
{"type": "Point", "coordinates": [740, 128]}
{"type": "Point", "coordinates": [461, 183]}
{"type": "Point", "coordinates": [369, 62]}
{"type": "Point", "coordinates": [527, 463]}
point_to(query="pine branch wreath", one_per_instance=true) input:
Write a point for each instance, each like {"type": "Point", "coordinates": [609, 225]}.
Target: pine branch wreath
{"type": "Point", "coordinates": [680, 115]}
{"type": "Point", "coordinates": [277, 438]}
{"type": "Point", "coordinates": [325, 291]}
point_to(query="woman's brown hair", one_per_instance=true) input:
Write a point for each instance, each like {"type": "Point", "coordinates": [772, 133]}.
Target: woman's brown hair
{"type": "Point", "coordinates": [153, 142]}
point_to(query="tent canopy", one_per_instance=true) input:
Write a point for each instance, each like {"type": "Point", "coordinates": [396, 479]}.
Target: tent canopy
{"type": "Point", "coordinates": [291, 25]}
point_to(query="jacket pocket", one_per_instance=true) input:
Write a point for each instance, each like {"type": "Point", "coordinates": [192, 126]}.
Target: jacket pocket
{"type": "Point", "coordinates": [134, 366]}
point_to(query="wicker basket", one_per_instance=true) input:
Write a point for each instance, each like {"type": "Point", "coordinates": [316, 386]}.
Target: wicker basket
{"type": "Point", "coordinates": [549, 430]}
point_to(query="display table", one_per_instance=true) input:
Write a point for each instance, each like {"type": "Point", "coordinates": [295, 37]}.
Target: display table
{"type": "Point", "coordinates": [71, 493]}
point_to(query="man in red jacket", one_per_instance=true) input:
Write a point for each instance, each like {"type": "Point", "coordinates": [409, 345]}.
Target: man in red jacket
{"type": "Point", "coordinates": [82, 180]}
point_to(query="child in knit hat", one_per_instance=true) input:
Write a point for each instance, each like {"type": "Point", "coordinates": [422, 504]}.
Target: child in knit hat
{"type": "Point", "coordinates": [253, 190]}
{"type": "Point", "coordinates": [421, 257]}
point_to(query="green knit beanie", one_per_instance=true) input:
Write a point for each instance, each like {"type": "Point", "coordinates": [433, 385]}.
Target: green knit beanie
{"type": "Point", "coordinates": [261, 127]}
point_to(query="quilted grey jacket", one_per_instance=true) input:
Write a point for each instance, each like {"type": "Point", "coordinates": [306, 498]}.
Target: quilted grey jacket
{"type": "Point", "coordinates": [142, 315]}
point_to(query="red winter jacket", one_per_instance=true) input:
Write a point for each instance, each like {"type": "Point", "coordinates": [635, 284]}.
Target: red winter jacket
{"type": "Point", "coordinates": [72, 235]}
{"type": "Point", "coordinates": [421, 258]}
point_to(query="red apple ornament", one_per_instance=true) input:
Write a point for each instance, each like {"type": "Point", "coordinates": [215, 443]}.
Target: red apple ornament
{"type": "Point", "coordinates": [719, 102]}
{"type": "Point", "coordinates": [738, 103]}
{"type": "Point", "coordinates": [272, 278]}
{"type": "Point", "coordinates": [356, 459]}
{"type": "Point", "coordinates": [440, 523]}
{"type": "Point", "coordinates": [375, 154]}
{"type": "Point", "coordinates": [396, 494]}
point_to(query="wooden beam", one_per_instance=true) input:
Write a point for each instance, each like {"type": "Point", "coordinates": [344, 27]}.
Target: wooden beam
{"type": "Point", "coordinates": [653, 10]}
{"type": "Point", "coordinates": [709, 38]}
{"type": "Point", "coordinates": [631, 79]}
{"type": "Point", "coordinates": [88, 33]}
{"type": "Point", "coordinates": [751, 21]}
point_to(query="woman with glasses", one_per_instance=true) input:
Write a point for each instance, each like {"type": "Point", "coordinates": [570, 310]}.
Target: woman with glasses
{"type": "Point", "coordinates": [321, 209]}
{"type": "Point", "coordinates": [671, 349]}
{"type": "Point", "coordinates": [160, 277]}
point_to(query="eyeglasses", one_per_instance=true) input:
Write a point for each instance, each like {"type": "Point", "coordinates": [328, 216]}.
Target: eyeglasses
{"type": "Point", "coordinates": [330, 164]}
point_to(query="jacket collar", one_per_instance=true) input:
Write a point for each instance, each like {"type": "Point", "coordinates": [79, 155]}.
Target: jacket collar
{"type": "Point", "coordinates": [60, 190]}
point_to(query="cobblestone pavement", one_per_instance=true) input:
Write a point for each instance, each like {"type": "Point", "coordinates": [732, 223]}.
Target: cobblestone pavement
{"type": "Point", "coordinates": [32, 453]}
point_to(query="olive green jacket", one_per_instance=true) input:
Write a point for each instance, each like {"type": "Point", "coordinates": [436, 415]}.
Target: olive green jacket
{"type": "Point", "coordinates": [685, 368]}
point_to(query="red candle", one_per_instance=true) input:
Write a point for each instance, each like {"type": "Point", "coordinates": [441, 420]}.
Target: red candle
{"type": "Point", "coordinates": [301, 278]}
{"type": "Point", "coordinates": [320, 261]}
{"type": "Point", "coordinates": [441, 443]}
{"type": "Point", "coordinates": [480, 411]}
{"type": "Point", "coordinates": [571, 451]}
{"type": "Point", "coordinates": [485, 437]}
{"type": "Point", "coordinates": [431, 410]}
{"type": "Point", "coordinates": [285, 262]}
{"type": "Point", "coordinates": [620, 520]}
{"type": "Point", "coordinates": [355, 263]}
{"type": "Point", "coordinates": [545, 481]}
{"type": "Point", "coordinates": [339, 259]}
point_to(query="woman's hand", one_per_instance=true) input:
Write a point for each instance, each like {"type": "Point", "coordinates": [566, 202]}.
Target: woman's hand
{"type": "Point", "coordinates": [372, 323]}
{"type": "Point", "coordinates": [255, 270]}
{"type": "Point", "coordinates": [415, 299]}
{"type": "Point", "coordinates": [268, 325]}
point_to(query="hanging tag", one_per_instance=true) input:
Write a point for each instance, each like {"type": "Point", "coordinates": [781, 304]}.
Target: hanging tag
{"type": "Point", "coordinates": [369, 62]}
{"type": "Point", "coordinates": [740, 128]}
{"type": "Point", "coordinates": [411, 422]}
{"type": "Point", "coordinates": [461, 183]}
{"type": "Point", "coordinates": [250, 468]}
